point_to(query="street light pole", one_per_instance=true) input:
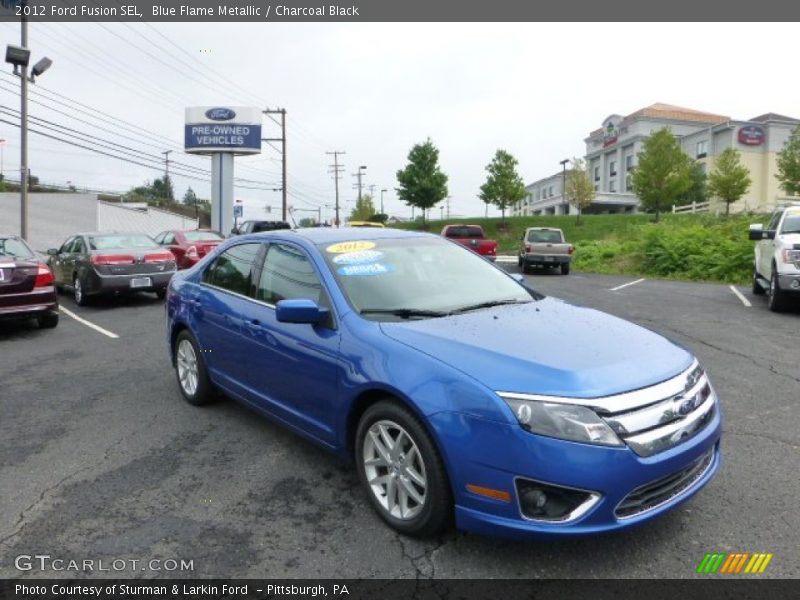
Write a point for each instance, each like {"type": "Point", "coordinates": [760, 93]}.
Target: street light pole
{"type": "Point", "coordinates": [563, 164]}
{"type": "Point", "coordinates": [382, 193]}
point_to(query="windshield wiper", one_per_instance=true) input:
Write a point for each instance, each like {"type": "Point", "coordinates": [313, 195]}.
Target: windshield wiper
{"type": "Point", "coordinates": [404, 313]}
{"type": "Point", "coordinates": [489, 304]}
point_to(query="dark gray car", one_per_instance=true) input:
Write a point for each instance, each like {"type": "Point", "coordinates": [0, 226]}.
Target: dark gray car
{"type": "Point", "coordinates": [98, 263]}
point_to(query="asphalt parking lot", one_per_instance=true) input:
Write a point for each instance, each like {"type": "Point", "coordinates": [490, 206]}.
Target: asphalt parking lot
{"type": "Point", "coordinates": [100, 458]}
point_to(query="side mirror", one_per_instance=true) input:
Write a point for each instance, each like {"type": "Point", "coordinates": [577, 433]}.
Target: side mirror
{"type": "Point", "coordinates": [769, 234]}
{"type": "Point", "coordinates": [518, 277]}
{"type": "Point", "coordinates": [52, 251]}
{"type": "Point", "coordinates": [300, 310]}
{"type": "Point", "coordinates": [756, 231]}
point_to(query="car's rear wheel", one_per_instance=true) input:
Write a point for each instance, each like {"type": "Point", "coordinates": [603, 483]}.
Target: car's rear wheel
{"type": "Point", "coordinates": [402, 471]}
{"type": "Point", "coordinates": [757, 289]}
{"type": "Point", "coordinates": [48, 321]}
{"type": "Point", "coordinates": [777, 298]}
{"type": "Point", "coordinates": [565, 268]}
{"type": "Point", "coordinates": [191, 371]}
{"type": "Point", "coordinates": [78, 292]}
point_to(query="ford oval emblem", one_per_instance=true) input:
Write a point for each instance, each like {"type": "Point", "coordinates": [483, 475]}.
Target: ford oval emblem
{"type": "Point", "coordinates": [220, 114]}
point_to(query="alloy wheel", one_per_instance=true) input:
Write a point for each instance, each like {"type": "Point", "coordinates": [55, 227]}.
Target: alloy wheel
{"type": "Point", "coordinates": [395, 470]}
{"type": "Point", "coordinates": [188, 373]}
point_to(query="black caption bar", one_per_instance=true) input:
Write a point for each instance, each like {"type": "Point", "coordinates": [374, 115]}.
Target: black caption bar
{"type": "Point", "coordinates": [352, 589]}
{"type": "Point", "coordinates": [399, 11]}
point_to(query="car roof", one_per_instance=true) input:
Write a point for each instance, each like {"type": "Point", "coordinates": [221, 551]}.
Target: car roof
{"type": "Point", "coordinates": [324, 235]}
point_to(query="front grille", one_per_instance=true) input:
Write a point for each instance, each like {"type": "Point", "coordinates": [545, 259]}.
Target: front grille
{"type": "Point", "coordinates": [656, 493]}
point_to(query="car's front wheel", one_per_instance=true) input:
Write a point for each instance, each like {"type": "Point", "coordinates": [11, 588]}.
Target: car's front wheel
{"type": "Point", "coordinates": [776, 301]}
{"type": "Point", "coordinates": [191, 370]}
{"type": "Point", "coordinates": [402, 471]}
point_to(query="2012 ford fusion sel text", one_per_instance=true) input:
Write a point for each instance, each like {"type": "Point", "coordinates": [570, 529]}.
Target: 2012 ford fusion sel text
{"type": "Point", "coordinates": [458, 391]}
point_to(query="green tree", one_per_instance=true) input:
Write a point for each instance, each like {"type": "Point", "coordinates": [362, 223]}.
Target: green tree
{"type": "Point", "coordinates": [730, 179]}
{"type": "Point", "coordinates": [663, 172]}
{"type": "Point", "coordinates": [364, 209]}
{"type": "Point", "coordinates": [699, 191]}
{"type": "Point", "coordinates": [504, 187]}
{"type": "Point", "coordinates": [379, 218]}
{"type": "Point", "coordinates": [422, 183]}
{"type": "Point", "coordinates": [580, 188]}
{"type": "Point", "coordinates": [307, 222]}
{"type": "Point", "coordinates": [789, 164]}
{"type": "Point", "coordinates": [163, 190]}
{"type": "Point", "coordinates": [190, 198]}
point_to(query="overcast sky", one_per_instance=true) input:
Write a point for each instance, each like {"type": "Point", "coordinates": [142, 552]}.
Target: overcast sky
{"type": "Point", "coordinates": [374, 90]}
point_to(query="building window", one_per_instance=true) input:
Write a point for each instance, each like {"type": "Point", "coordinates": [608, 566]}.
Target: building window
{"type": "Point", "coordinates": [596, 188]}
{"type": "Point", "coordinates": [612, 186]}
{"type": "Point", "coordinates": [612, 168]}
{"type": "Point", "coordinates": [629, 163]}
{"type": "Point", "coordinates": [628, 183]}
{"type": "Point", "coordinates": [702, 149]}
{"type": "Point", "coordinates": [596, 174]}
{"type": "Point", "coordinates": [550, 192]}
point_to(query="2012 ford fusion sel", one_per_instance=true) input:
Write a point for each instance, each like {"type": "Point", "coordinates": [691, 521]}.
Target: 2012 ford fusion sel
{"type": "Point", "coordinates": [459, 392]}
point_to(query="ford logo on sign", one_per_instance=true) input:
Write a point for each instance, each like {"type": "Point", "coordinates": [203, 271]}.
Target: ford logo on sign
{"type": "Point", "coordinates": [220, 114]}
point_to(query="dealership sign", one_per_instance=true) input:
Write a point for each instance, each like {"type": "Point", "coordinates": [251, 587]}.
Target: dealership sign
{"type": "Point", "coordinates": [211, 129]}
{"type": "Point", "coordinates": [751, 135]}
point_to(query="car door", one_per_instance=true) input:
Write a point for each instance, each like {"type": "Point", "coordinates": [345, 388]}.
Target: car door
{"type": "Point", "coordinates": [224, 292]}
{"type": "Point", "coordinates": [293, 368]}
{"type": "Point", "coordinates": [57, 262]}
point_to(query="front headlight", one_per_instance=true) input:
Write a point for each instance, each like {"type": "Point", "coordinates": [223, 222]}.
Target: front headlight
{"type": "Point", "coordinates": [791, 256]}
{"type": "Point", "coordinates": [563, 421]}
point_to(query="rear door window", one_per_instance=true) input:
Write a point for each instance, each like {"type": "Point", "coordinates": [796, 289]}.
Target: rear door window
{"type": "Point", "coordinates": [232, 270]}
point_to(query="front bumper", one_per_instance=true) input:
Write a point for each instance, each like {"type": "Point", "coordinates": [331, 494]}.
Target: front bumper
{"type": "Point", "coordinates": [102, 284]}
{"type": "Point", "coordinates": [506, 453]}
{"type": "Point", "coordinates": [789, 283]}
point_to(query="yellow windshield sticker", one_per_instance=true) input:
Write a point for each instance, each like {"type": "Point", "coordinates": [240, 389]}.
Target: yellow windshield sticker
{"type": "Point", "coordinates": [356, 246]}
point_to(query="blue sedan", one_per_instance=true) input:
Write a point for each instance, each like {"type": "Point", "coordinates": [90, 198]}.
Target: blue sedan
{"type": "Point", "coordinates": [459, 393]}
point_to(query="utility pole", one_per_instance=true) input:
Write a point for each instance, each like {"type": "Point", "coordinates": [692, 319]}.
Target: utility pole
{"type": "Point", "coordinates": [336, 169]}
{"type": "Point", "coordinates": [371, 187]}
{"type": "Point", "coordinates": [382, 193]}
{"type": "Point", "coordinates": [166, 171]}
{"type": "Point", "coordinates": [448, 207]}
{"type": "Point", "coordinates": [23, 138]}
{"type": "Point", "coordinates": [282, 140]}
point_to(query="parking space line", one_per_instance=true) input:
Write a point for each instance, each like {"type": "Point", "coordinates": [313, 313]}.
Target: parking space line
{"type": "Point", "coordinates": [624, 285]}
{"type": "Point", "coordinates": [89, 324]}
{"type": "Point", "coordinates": [741, 297]}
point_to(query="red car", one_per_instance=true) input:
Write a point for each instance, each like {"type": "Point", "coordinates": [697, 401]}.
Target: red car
{"type": "Point", "coordinates": [27, 287]}
{"type": "Point", "coordinates": [189, 246]}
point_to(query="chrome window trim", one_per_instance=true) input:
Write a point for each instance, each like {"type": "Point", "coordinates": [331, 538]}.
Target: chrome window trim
{"type": "Point", "coordinates": [577, 512]}
{"type": "Point", "coordinates": [617, 403]}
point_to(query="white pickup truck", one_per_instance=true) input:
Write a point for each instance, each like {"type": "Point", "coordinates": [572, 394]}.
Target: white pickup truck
{"type": "Point", "coordinates": [776, 267]}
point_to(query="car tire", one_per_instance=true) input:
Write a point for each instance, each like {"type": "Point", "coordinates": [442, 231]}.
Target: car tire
{"type": "Point", "coordinates": [161, 294]}
{"type": "Point", "coordinates": [565, 268]}
{"type": "Point", "coordinates": [776, 301]}
{"type": "Point", "coordinates": [190, 370]}
{"type": "Point", "coordinates": [78, 291]}
{"type": "Point", "coordinates": [520, 261]}
{"type": "Point", "coordinates": [757, 289]}
{"type": "Point", "coordinates": [48, 320]}
{"type": "Point", "coordinates": [414, 474]}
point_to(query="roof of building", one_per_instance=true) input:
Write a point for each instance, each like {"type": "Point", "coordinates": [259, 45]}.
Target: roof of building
{"type": "Point", "coordinates": [773, 117]}
{"type": "Point", "coordinates": [543, 179]}
{"type": "Point", "coordinates": [660, 110]}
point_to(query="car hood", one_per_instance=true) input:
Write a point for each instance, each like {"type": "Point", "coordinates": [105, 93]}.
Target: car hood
{"type": "Point", "coordinates": [547, 347]}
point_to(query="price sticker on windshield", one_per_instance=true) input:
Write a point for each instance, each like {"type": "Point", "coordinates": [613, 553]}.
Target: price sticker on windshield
{"type": "Point", "coordinates": [356, 246]}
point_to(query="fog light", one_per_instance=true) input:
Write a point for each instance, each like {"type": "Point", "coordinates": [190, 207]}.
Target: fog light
{"type": "Point", "coordinates": [543, 502]}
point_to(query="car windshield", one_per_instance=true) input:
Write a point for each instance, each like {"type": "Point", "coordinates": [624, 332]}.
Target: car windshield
{"type": "Point", "coordinates": [201, 236]}
{"type": "Point", "coordinates": [387, 279]}
{"type": "Point", "coordinates": [464, 232]}
{"type": "Point", "coordinates": [121, 241]}
{"type": "Point", "coordinates": [544, 237]}
{"type": "Point", "coordinates": [14, 248]}
{"type": "Point", "coordinates": [791, 224]}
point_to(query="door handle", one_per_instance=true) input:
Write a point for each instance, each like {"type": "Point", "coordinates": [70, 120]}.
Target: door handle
{"type": "Point", "coordinates": [255, 325]}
